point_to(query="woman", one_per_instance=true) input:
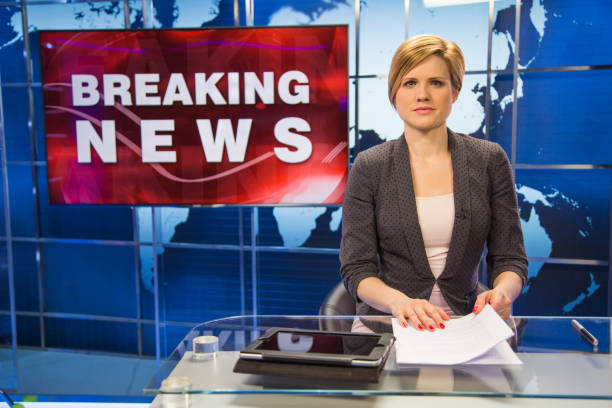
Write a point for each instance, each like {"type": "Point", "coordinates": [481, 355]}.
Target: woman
{"type": "Point", "coordinates": [418, 210]}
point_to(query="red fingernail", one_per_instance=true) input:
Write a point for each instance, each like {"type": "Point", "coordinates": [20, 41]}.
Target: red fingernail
{"type": "Point", "coordinates": [431, 327]}
{"type": "Point", "coordinates": [420, 327]}
{"type": "Point", "coordinates": [404, 325]}
{"type": "Point", "coordinates": [474, 309]}
{"type": "Point", "coordinates": [442, 325]}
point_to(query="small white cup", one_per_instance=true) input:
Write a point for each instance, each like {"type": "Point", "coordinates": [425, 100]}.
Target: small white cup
{"type": "Point", "coordinates": [205, 347]}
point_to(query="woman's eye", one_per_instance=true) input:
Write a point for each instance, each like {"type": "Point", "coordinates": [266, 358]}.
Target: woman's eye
{"type": "Point", "coordinates": [435, 82]}
{"type": "Point", "coordinates": [409, 83]}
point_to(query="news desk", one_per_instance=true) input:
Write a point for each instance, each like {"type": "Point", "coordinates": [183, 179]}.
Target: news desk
{"type": "Point", "coordinates": [559, 367]}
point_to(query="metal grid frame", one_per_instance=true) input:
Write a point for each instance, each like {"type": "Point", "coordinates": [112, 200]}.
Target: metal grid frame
{"type": "Point", "coordinates": [242, 249]}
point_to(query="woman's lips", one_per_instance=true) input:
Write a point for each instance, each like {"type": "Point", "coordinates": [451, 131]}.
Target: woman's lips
{"type": "Point", "coordinates": [423, 110]}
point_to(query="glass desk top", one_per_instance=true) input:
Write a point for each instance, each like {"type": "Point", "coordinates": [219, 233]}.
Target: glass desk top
{"type": "Point", "coordinates": [557, 363]}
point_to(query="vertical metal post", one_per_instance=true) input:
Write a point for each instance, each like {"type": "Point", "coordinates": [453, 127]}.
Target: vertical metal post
{"type": "Point", "coordinates": [144, 13]}
{"type": "Point", "coordinates": [488, 88]}
{"type": "Point", "coordinates": [515, 73]}
{"type": "Point", "coordinates": [249, 10]}
{"type": "Point", "coordinates": [254, 233]}
{"type": "Point", "coordinates": [241, 256]}
{"type": "Point", "coordinates": [236, 13]}
{"type": "Point", "coordinates": [126, 14]}
{"type": "Point", "coordinates": [406, 18]}
{"type": "Point", "coordinates": [33, 155]}
{"type": "Point", "coordinates": [155, 286]}
{"type": "Point", "coordinates": [136, 235]}
{"type": "Point", "coordinates": [150, 14]}
{"type": "Point", "coordinates": [357, 12]}
{"type": "Point", "coordinates": [9, 241]}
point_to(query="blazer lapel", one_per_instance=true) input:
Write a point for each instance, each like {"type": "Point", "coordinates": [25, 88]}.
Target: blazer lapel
{"type": "Point", "coordinates": [463, 213]}
{"type": "Point", "coordinates": [407, 207]}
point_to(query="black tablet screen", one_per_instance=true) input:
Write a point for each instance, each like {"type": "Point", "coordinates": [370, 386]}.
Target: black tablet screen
{"type": "Point", "coordinates": [320, 343]}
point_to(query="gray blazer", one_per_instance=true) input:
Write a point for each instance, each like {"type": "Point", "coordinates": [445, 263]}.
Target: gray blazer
{"type": "Point", "coordinates": [381, 234]}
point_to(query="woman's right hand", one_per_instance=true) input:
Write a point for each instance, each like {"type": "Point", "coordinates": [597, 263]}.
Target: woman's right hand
{"type": "Point", "coordinates": [421, 314]}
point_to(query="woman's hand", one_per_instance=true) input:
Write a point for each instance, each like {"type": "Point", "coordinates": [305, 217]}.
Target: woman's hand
{"type": "Point", "coordinates": [506, 287]}
{"type": "Point", "coordinates": [419, 312]}
{"type": "Point", "coordinates": [498, 301]}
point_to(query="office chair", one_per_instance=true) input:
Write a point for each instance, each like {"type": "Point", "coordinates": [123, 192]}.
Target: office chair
{"type": "Point", "coordinates": [338, 302]}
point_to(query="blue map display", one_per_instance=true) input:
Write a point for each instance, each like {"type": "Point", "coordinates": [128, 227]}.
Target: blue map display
{"type": "Point", "coordinates": [563, 118]}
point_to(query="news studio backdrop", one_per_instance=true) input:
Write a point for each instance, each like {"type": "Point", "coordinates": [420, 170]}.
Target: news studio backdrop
{"type": "Point", "coordinates": [128, 272]}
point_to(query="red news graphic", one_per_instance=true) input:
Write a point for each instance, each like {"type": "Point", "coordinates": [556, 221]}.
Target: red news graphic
{"type": "Point", "coordinates": [210, 116]}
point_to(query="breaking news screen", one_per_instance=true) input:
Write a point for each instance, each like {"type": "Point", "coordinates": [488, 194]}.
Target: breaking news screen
{"type": "Point", "coordinates": [235, 116]}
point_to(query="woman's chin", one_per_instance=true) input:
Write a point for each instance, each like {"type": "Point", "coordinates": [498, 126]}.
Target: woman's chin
{"type": "Point", "coordinates": [425, 127]}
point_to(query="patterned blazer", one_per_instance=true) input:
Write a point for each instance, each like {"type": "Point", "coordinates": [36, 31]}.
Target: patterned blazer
{"type": "Point", "coordinates": [381, 234]}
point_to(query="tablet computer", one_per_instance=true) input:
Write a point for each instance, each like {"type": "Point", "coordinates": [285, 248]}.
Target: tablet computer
{"type": "Point", "coordinates": [320, 347]}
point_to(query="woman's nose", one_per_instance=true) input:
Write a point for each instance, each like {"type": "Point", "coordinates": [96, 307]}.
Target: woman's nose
{"type": "Point", "coordinates": [422, 93]}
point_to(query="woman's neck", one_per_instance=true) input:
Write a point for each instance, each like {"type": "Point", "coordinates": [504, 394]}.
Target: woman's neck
{"type": "Point", "coordinates": [429, 145]}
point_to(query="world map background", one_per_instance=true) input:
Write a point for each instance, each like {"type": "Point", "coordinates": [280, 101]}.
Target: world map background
{"type": "Point", "coordinates": [562, 118]}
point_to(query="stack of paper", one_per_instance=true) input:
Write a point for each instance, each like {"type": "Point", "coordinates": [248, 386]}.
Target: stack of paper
{"type": "Point", "coordinates": [472, 339]}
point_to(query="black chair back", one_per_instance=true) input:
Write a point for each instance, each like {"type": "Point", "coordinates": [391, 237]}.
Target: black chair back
{"type": "Point", "coordinates": [337, 303]}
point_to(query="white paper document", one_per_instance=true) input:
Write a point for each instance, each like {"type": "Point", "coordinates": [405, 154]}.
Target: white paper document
{"type": "Point", "coordinates": [471, 339]}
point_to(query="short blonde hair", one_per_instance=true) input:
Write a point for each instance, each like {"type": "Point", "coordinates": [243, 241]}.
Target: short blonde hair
{"type": "Point", "coordinates": [415, 50]}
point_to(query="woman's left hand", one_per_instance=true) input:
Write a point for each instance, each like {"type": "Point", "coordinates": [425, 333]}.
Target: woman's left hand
{"type": "Point", "coordinates": [497, 299]}
{"type": "Point", "coordinates": [506, 288]}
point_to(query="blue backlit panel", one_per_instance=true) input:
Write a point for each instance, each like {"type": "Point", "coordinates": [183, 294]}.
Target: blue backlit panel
{"type": "Point", "coordinates": [28, 331]}
{"type": "Point", "coordinates": [565, 290]}
{"type": "Point", "coordinates": [501, 111]}
{"type": "Point", "coordinates": [314, 227]}
{"type": "Point", "coordinates": [199, 285]}
{"type": "Point", "coordinates": [97, 280]}
{"type": "Point", "coordinates": [16, 114]}
{"type": "Point", "coordinates": [465, 24]}
{"type": "Point", "coordinates": [565, 213]}
{"type": "Point", "coordinates": [564, 117]}
{"type": "Point", "coordinates": [21, 201]}
{"type": "Point", "coordinates": [502, 39]}
{"type": "Point", "coordinates": [381, 30]}
{"type": "Point", "coordinates": [565, 33]}
{"type": "Point", "coordinates": [200, 225]}
{"type": "Point", "coordinates": [92, 335]}
{"type": "Point", "coordinates": [26, 276]}
{"type": "Point", "coordinates": [11, 45]}
{"type": "Point", "coordinates": [290, 283]}
{"type": "Point", "coordinates": [378, 120]}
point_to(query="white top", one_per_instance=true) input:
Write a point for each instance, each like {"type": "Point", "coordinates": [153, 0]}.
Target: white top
{"type": "Point", "coordinates": [436, 217]}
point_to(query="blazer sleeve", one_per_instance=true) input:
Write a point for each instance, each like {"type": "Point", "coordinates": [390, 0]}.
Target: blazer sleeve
{"type": "Point", "coordinates": [359, 244]}
{"type": "Point", "coordinates": [506, 250]}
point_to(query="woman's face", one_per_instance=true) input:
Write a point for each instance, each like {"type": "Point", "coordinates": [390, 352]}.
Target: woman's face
{"type": "Point", "coordinates": [425, 96]}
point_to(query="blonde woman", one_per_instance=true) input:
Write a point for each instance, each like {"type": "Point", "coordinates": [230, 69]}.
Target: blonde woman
{"type": "Point", "coordinates": [419, 209]}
